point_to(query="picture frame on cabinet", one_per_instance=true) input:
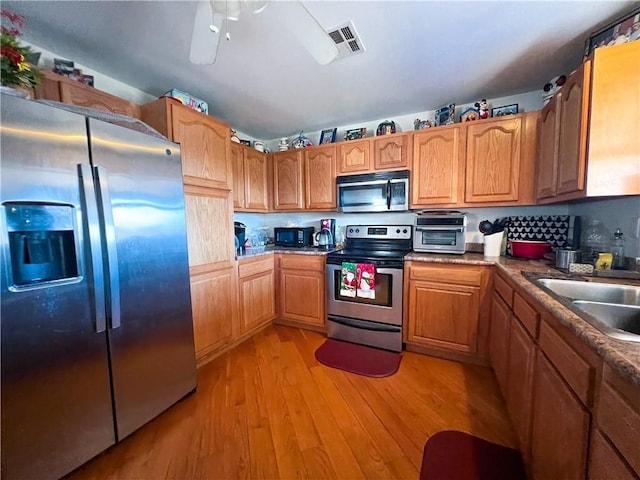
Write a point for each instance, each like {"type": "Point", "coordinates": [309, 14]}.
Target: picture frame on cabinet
{"type": "Point", "coordinates": [328, 136]}
{"type": "Point", "coordinates": [445, 115]}
{"type": "Point", "coordinates": [355, 133]}
{"type": "Point", "coordinates": [505, 110]}
{"type": "Point", "coordinates": [246, 143]}
{"type": "Point", "coordinates": [624, 29]}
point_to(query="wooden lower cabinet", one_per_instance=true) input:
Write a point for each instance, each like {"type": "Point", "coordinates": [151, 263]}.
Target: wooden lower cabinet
{"type": "Point", "coordinates": [499, 341]}
{"type": "Point", "coordinates": [522, 355]}
{"type": "Point", "coordinates": [301, 290]}
{"type": "Point", "coordinates": [256, 293]}
{"type": "Point", "coordinates": [443, 308]}
{"type": "Point", "coordinates": [213, 303]}
{"type": "Point", "coordinates": [605, 461]}
{"type": "Point", "coordinates": [617, 415]}
{"type": "Point", "coordinates": [560, 428]}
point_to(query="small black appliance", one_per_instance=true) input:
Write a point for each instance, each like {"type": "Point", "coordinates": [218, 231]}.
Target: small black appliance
{"type": "Point", "coordinates": [241, 233]}
{"type": "Point", "coordinates": [297, 237]}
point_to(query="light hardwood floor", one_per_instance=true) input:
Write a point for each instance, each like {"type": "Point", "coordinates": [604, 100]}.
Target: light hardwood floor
{"type": "Point", "coordinates": [267, 409]}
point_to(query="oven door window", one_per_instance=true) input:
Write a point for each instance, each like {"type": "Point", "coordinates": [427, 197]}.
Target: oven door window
{"type": "Point", "coordinates": [383, 289]}
{"type": "Point", "coordinates": [446, 238]}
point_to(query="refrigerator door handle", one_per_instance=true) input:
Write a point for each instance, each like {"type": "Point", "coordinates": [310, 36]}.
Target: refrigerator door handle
{"type": "Point", "coordinates": [95, 248]}
{"type": "Point", "coordinates": [112, 273]}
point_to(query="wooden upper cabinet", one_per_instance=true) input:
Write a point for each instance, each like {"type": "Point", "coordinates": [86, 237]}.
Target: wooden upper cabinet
{"type": "Point", "coordinates": [547, 167]}
{"type": "Point", "coordinates": [320, 177]}
{"type": "Point", "coordinates": [572, 134]}
{"type": "Point", "coordinates": [494, 153]}
{"type": "Point", "coordinates": [354, 156]}
{"type": "Point", "coordinates": [237, 166]}
{"type": "Point", "coordinates": [614, 122]}
{"type": "Point", "coordinates": [205, 144]}
{"type": "Point", "coordinates": [205, 141]}
{"type": "Point", "coordinates": [255, 180]}
{"type": "Point", "coordinates": [62, 89]}
{"type": "Point", "coordinates": [438, 167]}
{"type": "Point", "coordinates": [288, 180]}
{"type": "Point", "coordinates": [391, 151]}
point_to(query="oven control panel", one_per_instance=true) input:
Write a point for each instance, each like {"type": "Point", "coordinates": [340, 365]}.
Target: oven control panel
{"type": "Point", "coordinates": [379, 232]}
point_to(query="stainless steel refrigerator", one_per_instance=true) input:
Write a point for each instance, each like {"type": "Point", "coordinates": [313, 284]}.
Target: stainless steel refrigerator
{"type": "Point", "coordinates": [96, 327]}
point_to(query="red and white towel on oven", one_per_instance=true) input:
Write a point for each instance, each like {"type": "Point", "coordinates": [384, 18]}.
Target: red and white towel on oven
{"type": "Point", "coordinates": [366, 280]}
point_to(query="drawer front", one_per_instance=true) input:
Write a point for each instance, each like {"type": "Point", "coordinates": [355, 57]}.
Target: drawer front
{"type": "Point", "coordinates": [527, 315]}
{"type": "Point", "coordinates": [504, 290]}
{"type": "Point", "coordinates": [619, 418]}
{"type": "Point", "coordinates": [253, 266]}
{"type": "Point", "coordinates": [302, 262]}
{"type": "Point", "coordinates": [576, 371]}
{"type": "Point", "coordinates": [451, 274]}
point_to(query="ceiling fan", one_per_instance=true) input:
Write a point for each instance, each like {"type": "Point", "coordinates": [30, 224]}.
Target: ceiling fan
{"type": "Point", "coordinates": [212, 15]}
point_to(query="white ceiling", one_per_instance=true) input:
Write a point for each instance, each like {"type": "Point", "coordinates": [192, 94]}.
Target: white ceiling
{"type": "Point", "coordinates": [419, 55]}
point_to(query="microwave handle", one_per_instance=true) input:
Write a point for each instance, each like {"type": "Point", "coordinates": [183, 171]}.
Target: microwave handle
{"type": "Point", "coordinates": [388, 194]}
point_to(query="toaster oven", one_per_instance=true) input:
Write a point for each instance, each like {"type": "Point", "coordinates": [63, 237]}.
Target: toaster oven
{"type": "Point", "coordinates": [440, 231]}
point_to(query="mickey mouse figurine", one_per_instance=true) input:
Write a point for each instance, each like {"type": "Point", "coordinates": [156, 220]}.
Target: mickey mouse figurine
{"type": "Point", "coordinates": [552, 87]}
{"type": "Point", "coordinates": [483, 108]}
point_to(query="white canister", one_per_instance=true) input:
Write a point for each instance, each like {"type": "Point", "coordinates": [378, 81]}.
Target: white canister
{"type": "Point", "coordinates": [258, 146]}
{"type": "Point", "coordinates": [493, 244]}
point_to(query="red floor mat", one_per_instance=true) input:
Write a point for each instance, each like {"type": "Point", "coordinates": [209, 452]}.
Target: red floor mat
{"type": "Point", "coordinates": [452, 455]}
{"type": "Point", "coordinates": [367, 361]}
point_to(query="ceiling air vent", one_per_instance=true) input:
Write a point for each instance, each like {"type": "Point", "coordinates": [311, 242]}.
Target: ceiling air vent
{"type": "Point", "coordinates": [346, 39]}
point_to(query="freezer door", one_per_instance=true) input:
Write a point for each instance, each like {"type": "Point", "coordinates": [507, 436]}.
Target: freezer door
{"type": "Point", "coordinates": [139, 178]}
{"type": "Point", "coordinates": [56, 399]}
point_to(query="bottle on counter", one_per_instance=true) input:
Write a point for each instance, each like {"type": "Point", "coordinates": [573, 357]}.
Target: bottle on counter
{"type": "Point", "coordinates": [617, 249]}
{"type": "Point", "coordinates": [596, 239]}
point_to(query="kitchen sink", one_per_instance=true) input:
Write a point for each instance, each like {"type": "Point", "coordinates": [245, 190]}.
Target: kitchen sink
{"type": "Point", "coordinates": [593, 291]}
{"type": "Point", "coordinates": [612, 308]}
{"type": "Point", "coordinates": [619, 321]}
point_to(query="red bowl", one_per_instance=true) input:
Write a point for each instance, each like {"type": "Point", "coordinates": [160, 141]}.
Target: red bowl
{"type": "Point", "coordinates": [529, 249]}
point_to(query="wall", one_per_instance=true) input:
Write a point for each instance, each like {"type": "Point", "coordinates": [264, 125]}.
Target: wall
{"type": "Point", "coordinates": [527, 102]}
{"type": "Point", "coordinates": [623, 213]}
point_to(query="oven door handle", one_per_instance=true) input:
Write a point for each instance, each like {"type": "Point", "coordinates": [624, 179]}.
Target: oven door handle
{"type": "Point", "coordinates": [365, 325]}
{"type": "Point", "coordinates": [388, 194]}
{"type": "Point", "coordinates": [439, 228]}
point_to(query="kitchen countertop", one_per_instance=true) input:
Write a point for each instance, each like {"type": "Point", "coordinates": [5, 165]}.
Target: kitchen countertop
{"type": "Point", "coordinates": [622, 355]}
{"type": "Point", "coordinates": [271, 249]}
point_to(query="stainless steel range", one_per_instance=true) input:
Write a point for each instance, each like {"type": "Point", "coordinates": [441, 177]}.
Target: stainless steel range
{"type": "Point", "coordinates": [372, 318]}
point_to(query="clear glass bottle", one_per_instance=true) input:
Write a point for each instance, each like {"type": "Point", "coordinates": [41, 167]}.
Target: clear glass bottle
{"type": "Point", "coordinates": [595, 239]}
{"type": "Point", "coordinates": [617, 248]}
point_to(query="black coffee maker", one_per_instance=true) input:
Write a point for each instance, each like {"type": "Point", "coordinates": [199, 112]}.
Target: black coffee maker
{"type": "Point", "coordinates": [241, 232]}
{"type": "Point", "coordinates": [328, 225]}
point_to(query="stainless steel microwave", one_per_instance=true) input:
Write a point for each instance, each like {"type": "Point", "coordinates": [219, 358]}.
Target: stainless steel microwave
{"type": "Point", "coordinates": [374, 192]}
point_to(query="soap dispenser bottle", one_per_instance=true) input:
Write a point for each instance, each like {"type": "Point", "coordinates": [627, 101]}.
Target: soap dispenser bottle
{"type": "Point", "coordinates": [617, 248]}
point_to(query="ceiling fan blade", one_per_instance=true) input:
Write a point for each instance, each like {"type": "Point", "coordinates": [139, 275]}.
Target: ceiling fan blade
{"type": "Point", "coordinates": [310, 33]}
{"type": "Point", "coordinates": [256, 6]}
{"type": "Point", "coordinates": [204, 42]}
